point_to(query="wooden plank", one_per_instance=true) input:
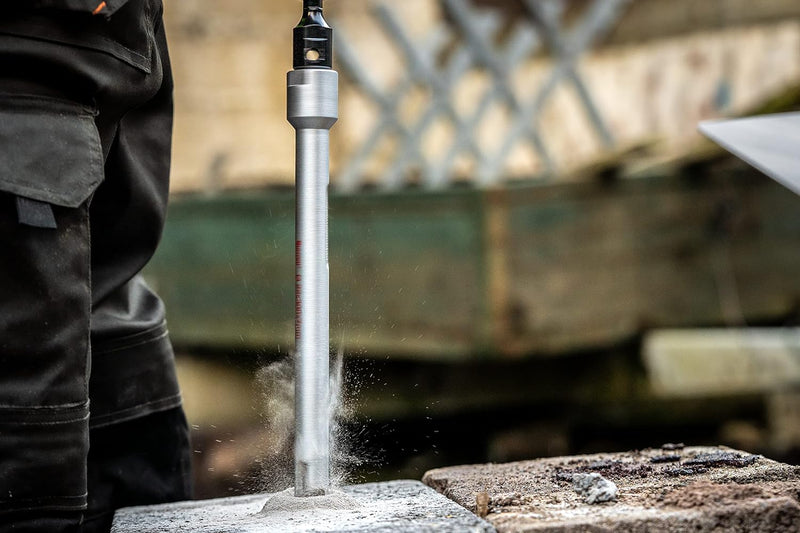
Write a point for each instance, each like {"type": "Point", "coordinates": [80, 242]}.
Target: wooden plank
{"type": "Point", "coordinates": [645, 20]}
{"type": "Point", "coordinates": [655, 19]}
{"type": "Point", "coordinates": [407, 273]}
{"type": "Point", "coordinates": [472, 274]}
{"type": "Point", "coordinates": [591, 266]}
{"type": "Point", "coordinates": [405, 270]}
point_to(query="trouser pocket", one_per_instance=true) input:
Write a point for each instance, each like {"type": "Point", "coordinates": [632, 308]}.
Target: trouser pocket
{"type": "Point", "coordinates": [50, 164]}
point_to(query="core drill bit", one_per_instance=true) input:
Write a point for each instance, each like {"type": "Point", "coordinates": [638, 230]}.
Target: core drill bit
{"type": "Point", "coordinates": [312, 109]}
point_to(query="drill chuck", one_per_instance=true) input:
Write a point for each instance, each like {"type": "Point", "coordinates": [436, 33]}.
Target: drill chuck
{"type": "Point", "coordinates": [313, 38]}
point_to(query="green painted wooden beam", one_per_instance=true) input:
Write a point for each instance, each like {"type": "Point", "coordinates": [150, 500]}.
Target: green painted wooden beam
{"type": "Point", "coordinates": [406, 272]}
{"type": "Point", "coordinates": [475, 274]}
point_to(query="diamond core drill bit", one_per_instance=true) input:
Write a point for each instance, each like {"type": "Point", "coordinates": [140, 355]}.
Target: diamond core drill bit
{"type": "Point", "coordinates": [312, 109]}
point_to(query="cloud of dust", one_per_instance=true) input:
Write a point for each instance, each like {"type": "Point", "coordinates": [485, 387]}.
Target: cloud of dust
{"type": "Point", "coordinates": [275, 385]}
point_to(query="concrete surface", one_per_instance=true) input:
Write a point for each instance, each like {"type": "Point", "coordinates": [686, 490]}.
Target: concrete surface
{"type": "Point", "coordinates": [380, 507]}
{"type": "Point", "coordinates": [672, 489]}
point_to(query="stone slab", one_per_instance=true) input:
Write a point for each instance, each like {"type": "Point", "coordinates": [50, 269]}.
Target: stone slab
{"type": "Point", "coordinates": [687, 363]}
{"type": "Point", "coordinates": [672, 489]}
{"type": "Point", "coordinates": [381, 507]}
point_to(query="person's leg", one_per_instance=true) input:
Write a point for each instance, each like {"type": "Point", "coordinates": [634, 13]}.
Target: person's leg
{"type": "Point", "coordinates": [141, 461]}
{"type": "Point", "coordinates": [46, 146]}
{"type": "Point", "coordinates": [54, 154]}
{"type": "Point", "coordinates": [139, 451]}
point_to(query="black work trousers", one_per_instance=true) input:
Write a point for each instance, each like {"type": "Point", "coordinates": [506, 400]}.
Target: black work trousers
{"type": "Point", "coordinates": [90, 411]}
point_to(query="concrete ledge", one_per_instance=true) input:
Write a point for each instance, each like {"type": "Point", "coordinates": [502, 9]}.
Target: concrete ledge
{"type": "Point", "coordinates": [722, 361]}
{"type": "Point", "coordinates": [672, 489]}
{"type": "Point", "coordinates": [381, 507]}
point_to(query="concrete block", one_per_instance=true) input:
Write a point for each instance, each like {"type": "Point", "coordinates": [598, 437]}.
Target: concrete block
{"type": "Point", "coordinates": [671, 489]}
{"type": "Point", "coordinates": [707, 362]}
{"type": "Point", "coordinates": [378, 507]}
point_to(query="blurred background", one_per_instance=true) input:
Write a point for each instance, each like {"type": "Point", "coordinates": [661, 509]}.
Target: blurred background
{"type": "Point", "coordinates": [532, 250]}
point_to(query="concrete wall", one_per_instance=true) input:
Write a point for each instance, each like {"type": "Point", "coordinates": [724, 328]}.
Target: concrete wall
{"type": "Point", "coordinates": [230, 59]}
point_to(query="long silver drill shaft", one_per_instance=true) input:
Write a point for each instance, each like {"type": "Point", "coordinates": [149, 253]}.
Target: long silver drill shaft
{"type": "Point", "coordinates": [312, 108]}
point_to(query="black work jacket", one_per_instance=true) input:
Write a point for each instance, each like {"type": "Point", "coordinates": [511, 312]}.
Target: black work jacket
{"type": "Point", "coordinates": [97, 7]}
{"type": "Point", "coordinates": [127, 34]}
